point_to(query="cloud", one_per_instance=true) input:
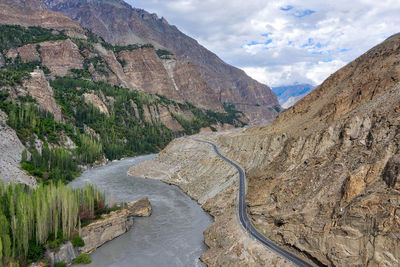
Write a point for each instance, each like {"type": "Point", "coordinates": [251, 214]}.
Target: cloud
{"type": "Point", "coordinates": [282, 42]}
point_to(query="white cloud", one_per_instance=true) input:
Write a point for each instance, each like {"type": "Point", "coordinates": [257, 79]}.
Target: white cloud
{"type": "Point", "coordinates": [280, 41]}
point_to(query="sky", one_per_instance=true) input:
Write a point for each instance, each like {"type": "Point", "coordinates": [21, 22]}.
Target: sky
{"type": "Point", "coordinates": [279, 42]}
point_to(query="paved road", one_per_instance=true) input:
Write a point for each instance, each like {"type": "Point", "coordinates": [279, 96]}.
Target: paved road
{"type": "Point", "coordinates": [245, 221]}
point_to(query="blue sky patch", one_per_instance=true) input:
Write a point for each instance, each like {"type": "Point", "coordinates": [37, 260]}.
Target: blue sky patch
{"type": "Point", "coordinates": [253, 43]}
{"type": "Point", "coordinates": [286, 8]}
{"type": "Point", "coordinates": [268, 41]}
{"type": "Point", "coordinates": [328, 59]}
{"type": "Point", "coordinates": [303, 13]}
{"type": "Point", "coordinates": [344, 50]}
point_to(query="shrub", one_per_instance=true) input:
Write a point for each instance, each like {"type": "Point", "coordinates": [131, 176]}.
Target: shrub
{"type": "Point", "coordinates": [35, 251]}
{"type": "Point", "coordinates": [78, 242]}
{"type": "Point", "coordinates": [83, 258]}
{"type": "Point", "coordinates": [60, 264]}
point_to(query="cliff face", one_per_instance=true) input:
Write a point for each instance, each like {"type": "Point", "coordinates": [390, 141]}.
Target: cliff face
{"type": "Point", "coordinates": [119, 23]}
{"type": "Point", "coordinates": [322, 179]}
{"type": "Point", "coordinates": [9, 162]}
{"type": "Point", "coordinates": [40, 89]}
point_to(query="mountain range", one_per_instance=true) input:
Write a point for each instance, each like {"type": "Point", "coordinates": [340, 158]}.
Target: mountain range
{"type": "Point", "coordinates": [288, 95]}
{"type": "Point", "coordinates": [120, 24]}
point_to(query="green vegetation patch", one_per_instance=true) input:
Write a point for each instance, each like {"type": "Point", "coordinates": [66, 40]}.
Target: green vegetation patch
{"type": "Point", "coordinates": [30, 218]}
{"type": "Point", "coordinates": [122, 134]}
{"type": "Point", "coordinates": [16, 36]}
{"type": "Point", "coordinates": [82, 259]}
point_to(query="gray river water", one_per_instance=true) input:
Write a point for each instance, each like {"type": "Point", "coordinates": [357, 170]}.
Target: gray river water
{"type": "Point", "coordinates": [171, 236]}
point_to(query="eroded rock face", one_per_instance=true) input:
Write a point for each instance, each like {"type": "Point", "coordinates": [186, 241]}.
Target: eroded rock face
{"type": "Point", "coordinates": [29, 53]}
{"type": "Point", "coordinates": [113, 225]}
{"type": "Point", "coordinates": [140, 208]}
{"type": "Point", "coordinates": [97, 233]}
{"type": "Point", "coordinates": [97, 102]}
{"type": "Point", "coordinates": [9, 162]}
{"type": "Point", "coordinates": [40, 89]}
{"type": "Point", "coordinates": [323, 178]}
{"type": "Point", "coordinates": [116, 67]}
{"type": "Point", "coordinates": [194, 87]}
{"type": "Point", "coordinates": [66, 253]}
{"type": "Point", "coordinates": [144, 68]}
{"type": "Point", "coordinates": [61, 56]}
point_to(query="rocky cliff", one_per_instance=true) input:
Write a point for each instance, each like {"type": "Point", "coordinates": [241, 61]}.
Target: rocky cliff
{"type": "Point", "coordinates": [323, 178]}
{"type": "Point", "coordinates": [9, 162]}
{"type": "Point", "coordinates": [119, 23]}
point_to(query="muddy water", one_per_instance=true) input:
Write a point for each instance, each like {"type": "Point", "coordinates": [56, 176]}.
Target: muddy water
{"type": "Point", "coordinates": [171, 236]}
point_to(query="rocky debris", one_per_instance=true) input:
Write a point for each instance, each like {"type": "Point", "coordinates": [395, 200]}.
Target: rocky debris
{"type": "Point", "coordinates": [61, 56]}
{"type": "Point", "coordinates": [140, 208]}
{"type": "Point", "coordinates": [29, 53]}
{"type": "Point", "coordinates": [9, 162]}
{"type": "Point", "coordinates": [40, 89]}
{"type": "Point", "coordinates": [229, 245]}
{"type": "Point", "coordinates": [97, 102]}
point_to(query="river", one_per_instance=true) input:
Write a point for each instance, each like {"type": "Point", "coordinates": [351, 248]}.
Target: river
{"type": "Point", "coordinates": [171, 236]}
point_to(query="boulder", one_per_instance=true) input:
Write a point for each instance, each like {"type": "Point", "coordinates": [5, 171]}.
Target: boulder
{"type": "Point", "coordinates": [140, 208]}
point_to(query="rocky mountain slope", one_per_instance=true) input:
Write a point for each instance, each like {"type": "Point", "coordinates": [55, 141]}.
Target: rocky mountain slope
{"type": "Point", "coordinates": [86, 100]}
{"type": "Point", "coordinates": [322, 179]}
{"type": "Point", "coordinates": [121, 24]}
{"type": "Point", "coordinates": [290, 94]}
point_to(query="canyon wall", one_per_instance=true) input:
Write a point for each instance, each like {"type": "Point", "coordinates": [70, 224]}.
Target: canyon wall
{"type": "Point", "coordinates": [323, 179]}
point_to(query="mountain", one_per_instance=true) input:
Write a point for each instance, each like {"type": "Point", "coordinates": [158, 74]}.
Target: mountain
{"type": "Point", "coordinates": [119, 23]}
{"type": "Point", "coordinates": [288, 95]}
{"type": "Point", "coordinates": [67, 95]}
{"type": "Point", "coordinates": [323, 178]}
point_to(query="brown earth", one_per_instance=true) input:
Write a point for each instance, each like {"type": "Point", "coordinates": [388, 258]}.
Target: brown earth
{"type": "Point", "coordinates": [323, 179]}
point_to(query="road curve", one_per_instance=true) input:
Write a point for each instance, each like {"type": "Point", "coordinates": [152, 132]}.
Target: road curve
{"type": "Point", "coordinates": [245, 221]}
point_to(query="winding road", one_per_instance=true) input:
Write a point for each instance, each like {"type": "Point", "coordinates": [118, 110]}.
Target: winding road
{"type": "Point", "coordinates": [245, 221]}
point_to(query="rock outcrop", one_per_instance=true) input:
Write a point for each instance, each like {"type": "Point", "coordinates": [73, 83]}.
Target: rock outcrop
{"type": "Point", "coordinates": [9, 162]}
{"type": "Point", "coordinates": [61, 56]}
{"type": "Point", "coordinates": [97, 102]}
{"type": "Point", "coordinates": [140, 208]}
{"type": "Point", "coordinates": [323, 178]}
{"type": "Point", "coordinates": [113, 225]}
{"type": "Point", "coordinates": [40, 89]}
{"type": "Point", "coordinates": [109, 227]}
{"type": "Point", "coordinates": [65, 253]}
{"type": "Point", "coordinates": [29, 53]}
